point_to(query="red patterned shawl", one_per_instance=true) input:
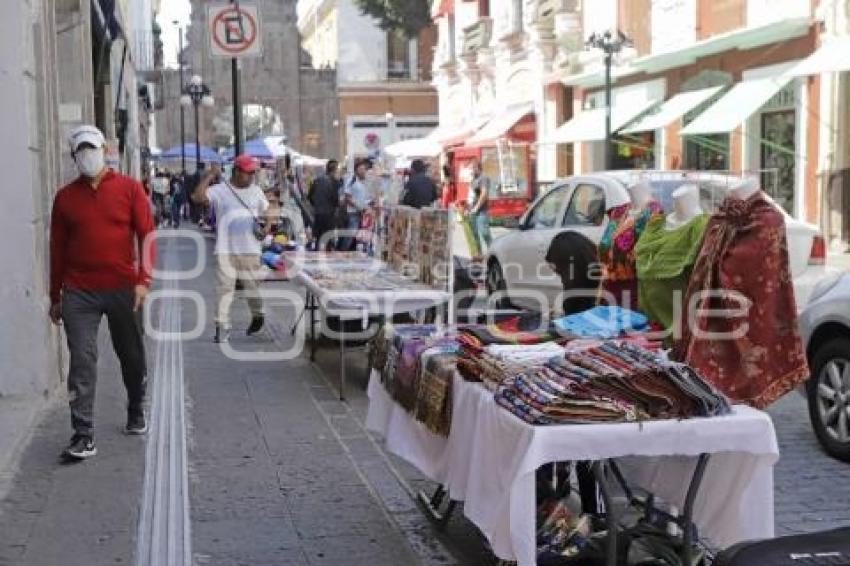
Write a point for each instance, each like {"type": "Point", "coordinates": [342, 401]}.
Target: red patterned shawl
{"type": "Point", "coordinates": [745, 251]}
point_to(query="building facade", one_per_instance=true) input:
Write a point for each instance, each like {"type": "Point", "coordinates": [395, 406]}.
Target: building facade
{"type": "Point", "coordinates": [298, 100]}
{"type": "Point", "coordinates": [61, 63]}
{"type": "Point", "coordinates": [738, 85]}
{"type": "Point", "coordinates": [384, 91]}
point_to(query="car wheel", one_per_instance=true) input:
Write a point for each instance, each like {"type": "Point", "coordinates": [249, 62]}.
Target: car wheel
{"type": "Point", "coordinates": [829, 397]}
{"type": "Point", "coordinates": [495, 283]}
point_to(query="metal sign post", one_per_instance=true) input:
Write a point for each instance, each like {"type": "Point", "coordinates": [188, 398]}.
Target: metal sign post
{"type": "Point", "coordinates": [234, 32]}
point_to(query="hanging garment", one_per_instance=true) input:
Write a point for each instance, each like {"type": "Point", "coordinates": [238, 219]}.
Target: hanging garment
{"type": "Point", "coordinates": [664, 260]}
{"type": "Point", "coordinates": [744, 255]}
{"type": "Point", "coordinates": [617, 252]}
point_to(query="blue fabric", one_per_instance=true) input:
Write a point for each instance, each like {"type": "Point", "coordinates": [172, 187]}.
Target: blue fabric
{"type": "Point", "coordinates": [277, 248]}
{"type": "Point", "coordinates": [270, 259]}
{"type": "Point", "coordinates": [603, 322]}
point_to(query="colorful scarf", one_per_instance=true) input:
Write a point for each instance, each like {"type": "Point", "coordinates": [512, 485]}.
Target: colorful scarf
{"type": "Point", "coordinates": [664, 261]}
{"type": "Point", "coordinates": [617, 251]}
{"type": "Point", "coordinates": [744, 252]}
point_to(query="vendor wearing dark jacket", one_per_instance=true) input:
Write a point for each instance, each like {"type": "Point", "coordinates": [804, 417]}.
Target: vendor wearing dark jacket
{"type": "Point", "coordinates": [420, 190]}
{"type": "Point", "coordinates": [324, 196]}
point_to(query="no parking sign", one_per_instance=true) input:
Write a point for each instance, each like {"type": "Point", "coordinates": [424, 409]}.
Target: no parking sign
{"type": "Point", "coordinates": [234, 32]}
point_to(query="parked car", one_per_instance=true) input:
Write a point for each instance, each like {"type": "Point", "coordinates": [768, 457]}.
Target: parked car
{"type": "Point", "coordinates": [516, 264]}
{"type": "Point", "coordinates": [825, 330]}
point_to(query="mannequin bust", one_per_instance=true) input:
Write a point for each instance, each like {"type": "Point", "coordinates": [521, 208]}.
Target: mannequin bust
{"type": "Point", "coordinates": [641, 194]}
{"type": "Point", "coordinates": [745, 188]}
{"type": "Point", "coordinates": [685, 206]}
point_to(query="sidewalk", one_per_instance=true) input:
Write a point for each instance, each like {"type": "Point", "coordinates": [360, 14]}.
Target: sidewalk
{"type": "Point", "coordinates": [278, 471]}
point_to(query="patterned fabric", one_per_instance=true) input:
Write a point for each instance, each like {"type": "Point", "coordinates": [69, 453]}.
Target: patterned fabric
{"type": "Point", "coordinates": [602, 322]}
{"type": "Point", "coordinates": [433, 406]}
{"type": "Point", "coordinates": [664, 262]}
{"type": "Point", "coordinates": [405, 385]}
{"type": "Point", "coordinates": [617, 251]}
{"type": "Point", "coordinates": [745, 252]}
{"type": "Point", "coordinates": [614, 382]}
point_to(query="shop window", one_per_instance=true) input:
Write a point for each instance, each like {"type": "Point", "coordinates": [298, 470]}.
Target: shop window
{"type": "Point", "coordinates": [587, 206]}
{"type": "Point", "coordinates": [707, 153]}
{"type": "Point", "coordinates": [545, 214]}
{"type": "Point", "coordinates": [778, 157]}
{"type": "Point", "coordinates": [398, 55]}
{"type": "Point", "coordinates": [634, 151]}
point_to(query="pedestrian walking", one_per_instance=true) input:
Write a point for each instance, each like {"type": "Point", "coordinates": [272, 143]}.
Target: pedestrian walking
{"type": "Point", "coordinates": [178, 199]}
{"type": "Point", "coordinates": [100, 222]}
{"type": "Point", "coordinates": [239, 204]}
{"type": "Point", "coordinates": [479, 210]}
{"type": "Point", "coordinates": [354, 203]}
{"type": "Point", "coordinates": [160, 190]}
{"type": "Point", "coordinates": [420, 190]}
{"type": "Point", "coordinates": [324, 197]}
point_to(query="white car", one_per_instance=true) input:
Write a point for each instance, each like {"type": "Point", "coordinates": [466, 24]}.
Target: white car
{"type": "Point", "coordinates": [825, 330]}
{"type": "Point", "coordinates": [516, 261]}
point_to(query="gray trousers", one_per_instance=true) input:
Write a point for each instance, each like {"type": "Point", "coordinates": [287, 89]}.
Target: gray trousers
{"type": "Point", "coordinates": [82, 312]}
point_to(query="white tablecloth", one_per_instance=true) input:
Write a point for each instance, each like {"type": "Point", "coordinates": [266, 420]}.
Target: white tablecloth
{"type": "Point", "coordinates": [490, 458]}
{"type": "Point", "coordinates": [360, 304]}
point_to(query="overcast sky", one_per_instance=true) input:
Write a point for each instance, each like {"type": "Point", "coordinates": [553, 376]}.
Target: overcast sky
{"type": "Point", "coordinates": [169, 11]}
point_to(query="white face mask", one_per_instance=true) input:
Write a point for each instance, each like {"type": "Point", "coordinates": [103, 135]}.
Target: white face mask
{"type": "Point", "coordinates": [90, 162]}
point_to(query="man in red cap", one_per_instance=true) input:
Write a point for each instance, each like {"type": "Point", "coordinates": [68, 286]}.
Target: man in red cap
{"type": "Point", "coordinates": [239, 204]}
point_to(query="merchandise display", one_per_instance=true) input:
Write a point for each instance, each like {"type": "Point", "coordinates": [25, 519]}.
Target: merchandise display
{"type": "Point", "coordinates": [610, 383]}
{"type": "Point", "coordinates": [603, 322]}
{"type": "Point", "coordinates": [665, 257]}
{"type": "Point", "coordinates": [434, 248]}
{"type": "Point", "coordinates": [767, 360]}
{"type": "Point", "coordinates": [403, 233]}
{"type": "Point", "coordinates": [617, 251]}
{"type": "Point", "coordinates": [416, 368]}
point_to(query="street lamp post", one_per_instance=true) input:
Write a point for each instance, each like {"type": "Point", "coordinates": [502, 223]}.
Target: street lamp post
{"type": "Point", "coordinates": [610, 44]}
{"type": "Point", "coordinates": [196, 93]}
{"type": "Point", "coordinates": [182, 114]}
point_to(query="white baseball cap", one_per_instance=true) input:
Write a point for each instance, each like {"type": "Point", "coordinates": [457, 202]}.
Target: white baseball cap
{"type": "Point", "coordinates": [85, 134]}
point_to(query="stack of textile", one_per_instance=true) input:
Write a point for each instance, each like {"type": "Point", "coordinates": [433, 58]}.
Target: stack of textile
{"type": "Point", "coordinates": [603, 322]}
{"type": "Point", "coordinates": [614, 382]}
{"type": "Point", "coordinates": [417, 368]}
{"type": "Point", "coordinates": [476, 363]}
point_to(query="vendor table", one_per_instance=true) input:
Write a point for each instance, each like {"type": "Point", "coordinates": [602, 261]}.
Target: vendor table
{"type": "Point", "coordinates": [352, 304]}
{"type": "Point", "coordinates": [490, 458]}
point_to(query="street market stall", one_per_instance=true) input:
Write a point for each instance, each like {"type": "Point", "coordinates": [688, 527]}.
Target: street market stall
{"type": "Point", "coordinates": [355, 287]}
{"type": "Point", "coordinates": [661, 456]}
{"type": "Point", "coordinates": [663, 402]}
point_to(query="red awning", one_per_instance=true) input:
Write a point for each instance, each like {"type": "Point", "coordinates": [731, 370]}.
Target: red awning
{"type": "Point", "coordinates": [440, 8]}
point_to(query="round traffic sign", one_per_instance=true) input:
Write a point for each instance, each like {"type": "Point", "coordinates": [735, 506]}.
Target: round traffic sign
{"type": "Point", "coordinates": [228, 34]}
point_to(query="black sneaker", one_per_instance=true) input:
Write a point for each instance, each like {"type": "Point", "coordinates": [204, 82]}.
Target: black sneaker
{"type": "Point", "coordinates": [81, 448]}
{"type": "Point", "coordinates": [256, 324]}
{"type": "Point", "coordinates": [222, 334]}
{"type": "Point", "coordinates": [136, 423]}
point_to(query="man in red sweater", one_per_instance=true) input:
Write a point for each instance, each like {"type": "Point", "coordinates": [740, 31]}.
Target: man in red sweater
{"type": "Point", "coordinates": [99, 266]}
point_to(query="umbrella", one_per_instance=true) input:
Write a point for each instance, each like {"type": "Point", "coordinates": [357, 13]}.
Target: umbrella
{"type": "Point", "coordinates": [266, 148]}
{"type": "Point", "coordinates": [172, 153]}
